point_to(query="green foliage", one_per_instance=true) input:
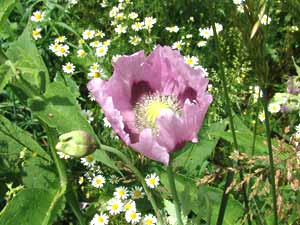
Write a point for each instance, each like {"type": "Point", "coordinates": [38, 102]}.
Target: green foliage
{"type": "Point", "coordinates": [5, 10]}
{"type": "Point", "coordinates": [193, 157]}
{"type": "Point", "coordinates": [203, 200]}
{"type": "Point", "coordinates": [33, 206]}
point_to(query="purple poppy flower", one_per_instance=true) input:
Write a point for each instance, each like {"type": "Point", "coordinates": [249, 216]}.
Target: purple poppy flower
{"type": "Point", "coordinates": [156, 103]}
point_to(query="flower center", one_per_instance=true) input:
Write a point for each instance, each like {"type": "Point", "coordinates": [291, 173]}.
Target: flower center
{"type": "Point", "coordinates": [148, 109]}
{"type": "Point", "coordinates": [100, 219]}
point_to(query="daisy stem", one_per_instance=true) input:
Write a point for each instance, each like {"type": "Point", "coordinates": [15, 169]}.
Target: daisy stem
{"type": "Point", "coordinates": [174, 192]}
{"type": "Point", "coordinates": [140, 177]}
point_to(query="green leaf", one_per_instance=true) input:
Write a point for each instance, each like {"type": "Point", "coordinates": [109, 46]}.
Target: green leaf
{"type": "Point", "coordinates": [5, 10]}
{"type": "Point", "coordinates": [4, 76]}
{"type": "Point", "coordinates": [198, 203]}
{"type": "Point", "coordinates": [69, 82]}
{"type": "Point", "coordinates": [25, 58]}
{"type": "Point", "coordinates": [101, 156]}
{"type": "Point", "coordinates": [34, 206]}
{"type": "Point", "coordinates": [244, 137]}
{"type": "Point", "coordinates": [58, 108]}
{"type": "Point", "coordinates": [192, 158]}
{"type": "Point", "coordinates": [14, 139]}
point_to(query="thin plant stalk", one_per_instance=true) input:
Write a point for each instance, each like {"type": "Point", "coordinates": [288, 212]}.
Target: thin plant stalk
{"type": "Point", "coordinates": [140, 177]}
{"type": "Point", "coordinates": [230, 174]}
{"type": "Point", "coordinates": [272, 170]}
{"type": "Point", "coordinates": [171, 179]}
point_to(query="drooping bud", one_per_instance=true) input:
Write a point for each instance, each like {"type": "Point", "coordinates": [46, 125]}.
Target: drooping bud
{"type": "Point", "coordinates": [77, 143]}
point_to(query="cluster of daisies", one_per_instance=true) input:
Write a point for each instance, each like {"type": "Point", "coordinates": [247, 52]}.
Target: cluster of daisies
{"type": "Point", "coordinates": [37, 17]}
{"type": "Point", "coordinates": [123, 201]}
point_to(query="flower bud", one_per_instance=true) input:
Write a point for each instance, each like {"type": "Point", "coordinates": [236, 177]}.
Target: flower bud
{"type": "Point", "coordinates": [76, 143]}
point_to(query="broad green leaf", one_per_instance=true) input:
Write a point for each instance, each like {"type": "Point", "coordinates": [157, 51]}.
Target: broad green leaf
{"type": "Point", "coordinates": [25, 58]}
{"type": "Point", "coordinates": [198, 204]}
{"type": "Point", "coordinates": [68, 82]}
{"type": "Point", "coordinates": [58, 108]}
{"type": "Point", "coordinates": [6, 6]}
{"type": "Point", "coordinates": [34, 206]}
{"type": "Point", "coordinates": [192, 158]}
{"type": "Point", "coordinates": [14, 139]}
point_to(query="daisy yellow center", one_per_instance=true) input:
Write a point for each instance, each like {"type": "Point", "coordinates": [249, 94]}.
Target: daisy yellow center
{"type": "Point", "coordinates": [35, 32]}
{"type": "Point", "coordinates": [148, 222]}
{"type": "Point", "coordinates": [152, 180]}
{"type": "Point", "coordinates": [62, 50]}
{"type": "Point", "coordinates": [96, 74]}
{"type": "Point", "coordinates": [121, 192]}
{"type": "Point", "coordinates": [89, 158]}
{"type": "Point", "coordinates": [68, 67]}
{"type": "Point", "coordinates": [114, 206]}
{"type": "Point", "coordinates": [133, 216]}
{"type": "Point", "coordinates": [38, 16]}
{"type": "Point", "coordinates": [99, 181]}
{"type": "Point", "coordinates": [189, 61]}
{"type": "Point", "coordinates": [100, 219]}
{"type": "Point", "coordinates": [137, 193]}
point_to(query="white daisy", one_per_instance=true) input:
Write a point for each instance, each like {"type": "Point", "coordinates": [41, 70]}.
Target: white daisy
{"type": "Point", "coordinates": [54, 47]}
{"type": "Point", "coordinates": [137, 26]}
{"type": "Point", "coordinates": [274, 107]}
{"type": "Point", "coordinates": [101, 219]}
{"type": "Point", "coordinates": [88, 34]}
{"type": "Point", "coordinates": [130, 205]}
{"type": "Point", "coordinates": [81, 53]}
{"type": "Point", "coordinates": [206, 32]}
{"type": "Point", "coordinates": [88, 160]}
{"type": "Point", "coordinates": [37, 16]}
{"type": "Point", "coordinates": [135, 40]}
{"type": "Point", "coordinates": [120, 29]}
{"type": "Point", "coordinates": [149, 22]}
{"type": "Point", "coordinates": [114, 179]}
{"type": "Point", "coordinates": [132, 216]}
{"type": "Point", "coordinates": [62, 50]}
{"type": "Point", "coordinates": [178, 45]}
{"type": "Point", "coordinates": [201, 43]}
{"type": "Point", "coordinates": [60, 39]}
{"type": "Point", "coordinates": [101, 51]}
{"type": "Point", "coordinates": [106, 123]}
{"type": "Point", "coordinates": [114, 206]}
{"type": "Point", "coordinates": [265, 20]}
{"type": "Point", "coordinates": [152, 180]}
{"type": "Point", "coordinates": [191, 60]}
{"type": "Point", "coordinates": [262, 116]}
{"type": "Point", "coordinates": [121, 193]}
{"type": "Point", "coordinates": [149, 220]}
{"type": "Point", "coordinates": [133, 15]}
{"type": "Point", "coordinates": [63, 155]}
{"type": "Point", "coordinates": [36, 33]}
{"type": "Point", "coordinates": [99, 33]}
{"type": "Point", "coordinates": [238, 2]}
{"type": "Point", "coordinates": [98, 181]}
{"type": "Point", "coordinates": [96, 73]}
{"type": "Point", "coordinates": [219, 27]}
{"type": "Point", "coordinates": [113, 12]}
{"type": "Point", "coordinates": [137, 192]}
{"type": "Point", "coordinates": [88, 114]}
{"type": "Point", "coordinates": [95, 44]}
{"type": "Point", "coordinates": [69, 68]}
{"type": "Point", "coordinates": [173, 29]}
{"type": "Point", "coordinates": [106, 43]}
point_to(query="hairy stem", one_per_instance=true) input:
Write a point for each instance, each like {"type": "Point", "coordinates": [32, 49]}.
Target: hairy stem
{"type": "Point", "coordinates": [174, 192]}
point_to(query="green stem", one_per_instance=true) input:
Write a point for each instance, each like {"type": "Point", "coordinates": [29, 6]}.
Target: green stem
{"type": "Point", "coordinates": [230, 175]}
{"type": "Point", "coordinates": [174, 192]}
{"type": "Point", "coordinates": [272, 171]}
{"type": "Point", "coordinates": [72, 202]}
{"type": "Point", "coordinates": [140, 177]}
{"type": "Point", "coordinates": [52, 139]}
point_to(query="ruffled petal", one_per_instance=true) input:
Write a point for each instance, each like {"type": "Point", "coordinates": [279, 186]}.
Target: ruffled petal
{"type": "Point", "coordinates": [148, 146]}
